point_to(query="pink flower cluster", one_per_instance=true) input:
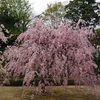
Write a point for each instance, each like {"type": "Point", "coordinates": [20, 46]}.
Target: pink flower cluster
{"type": "Point", "coordinates": [46, 53]}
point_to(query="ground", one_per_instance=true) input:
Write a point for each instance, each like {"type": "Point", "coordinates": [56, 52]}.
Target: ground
{"type": "Point", "coordinates": [53, 93]}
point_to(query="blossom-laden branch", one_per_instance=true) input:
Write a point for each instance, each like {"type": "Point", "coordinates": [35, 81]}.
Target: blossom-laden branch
{"type": "Point", "coordinates": [59, 54]}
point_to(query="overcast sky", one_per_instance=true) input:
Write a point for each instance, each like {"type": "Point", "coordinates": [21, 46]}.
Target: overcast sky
{"type": "Point", "coordinates": [41, 5]}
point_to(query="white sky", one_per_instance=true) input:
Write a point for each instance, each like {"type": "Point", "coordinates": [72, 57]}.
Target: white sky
{"type": "Point", "coordinates": [41, 5]}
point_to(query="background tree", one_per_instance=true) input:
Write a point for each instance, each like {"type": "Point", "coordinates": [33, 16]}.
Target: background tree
{"type": "Point", "coordinates": [98, 3]}
{"type": "Point", "coordinates": [83, 9]}
{"type": "Point", "coordinates": [54, 14]}
{"type": "Point", "coordinates": [15, 16]}
{"type": "Point", "coordinates": [3, 41]}
{"type": "Point", "coordinates": [95, 40]}
{"type": "Point", "coordinates": [46, 52]}
{"type": "Point", "coordinates": [3, 38]}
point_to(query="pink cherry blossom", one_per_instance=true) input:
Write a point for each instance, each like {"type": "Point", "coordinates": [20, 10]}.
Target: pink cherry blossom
{"type": "Point", "coordinates": [59, 54]}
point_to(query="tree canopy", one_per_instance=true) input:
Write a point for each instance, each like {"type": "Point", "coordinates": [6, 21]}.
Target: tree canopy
{"type": "Point", "coordinates": [95, 40]}
{"type": "Point", "coordinates": [15, 16]}
{"type": "Point", "coordinates": [54, 14]}
{"type": "Point", "coordinates": [83, 9]}
{"type": "Point", "coordinates": [46, 52]}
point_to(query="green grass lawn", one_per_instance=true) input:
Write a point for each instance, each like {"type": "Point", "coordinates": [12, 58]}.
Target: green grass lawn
{"type": "Point", "coordinates": [59, 93]}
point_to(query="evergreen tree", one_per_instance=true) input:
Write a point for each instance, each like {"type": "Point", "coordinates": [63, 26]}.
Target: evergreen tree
{"type": "Point", "coordinates": [83, 9]}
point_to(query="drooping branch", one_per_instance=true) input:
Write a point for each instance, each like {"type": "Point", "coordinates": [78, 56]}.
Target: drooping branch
{"type": "Point", "coordinates": [58, 54]}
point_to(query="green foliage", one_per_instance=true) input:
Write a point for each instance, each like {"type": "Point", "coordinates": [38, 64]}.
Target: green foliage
{"type": "Point", "coordinates": [83, 9]}
{"type": "Point", "coordinates": [15, 16]}
{"type": "Point", "coordinates": [54, 14]}
{"type": "Point", "coordinates": [95, 40]}
{"type": "Point", "coordinates": [98, 31]}
{"type": "Point", "coordinates": [20, 82]}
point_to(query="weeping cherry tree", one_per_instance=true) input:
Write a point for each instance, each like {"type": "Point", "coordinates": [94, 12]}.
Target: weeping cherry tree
{"type": "Point", "coordinates": [58, 54]}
